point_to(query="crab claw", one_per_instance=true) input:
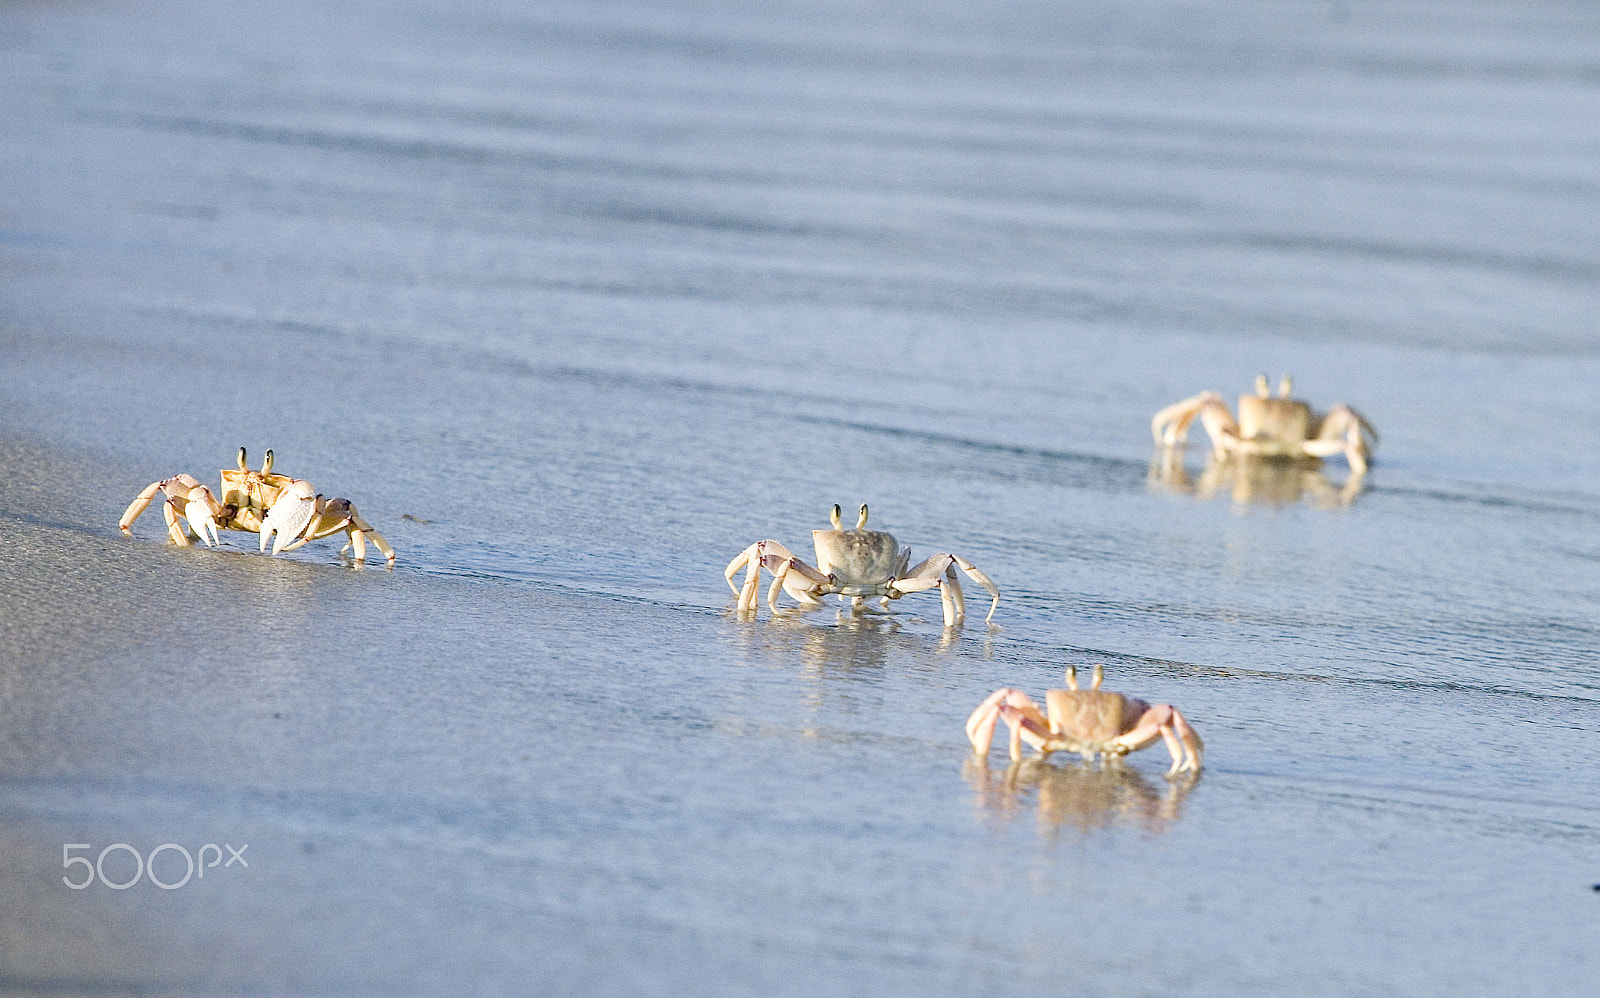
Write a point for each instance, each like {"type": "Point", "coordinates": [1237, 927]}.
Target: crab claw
{"type": "Point", "coordinates": [197, 510]}
{"type": "Point", "coordinates": [290, 515]}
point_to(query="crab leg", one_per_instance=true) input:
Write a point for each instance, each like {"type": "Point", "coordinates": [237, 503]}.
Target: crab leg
{"type": "Point", "coordinates": [179, 485]}
{"type": "Point", "coordinates": [980, 724]}
{"type": "Point", "coordinates": [334, 515]}
{"type": "Point", "coordinates": [982, 579]}
{"type": "Point", "coordinates": [362, 530]}
{"type": "Point", "coordinates": [139, 505]}
{"type": "Point", "coordinates": [1344, 412]}
{"type": "Point", "coordinates": [1027, 724]}
{"type": "Point", "coordinates": [1170, 426]}
{"type": "Point", "coordinates": [751, 557]}
{"type": "Point", "coordinates": [789, 574]}
{"type": "Point", "coordinates": [955, 602]}
{"type": "Point", "coordinates": [922, 578]}
{"type": "Point", "coordinates": [1190, 740]}
{"type": "Point", "coordinates": [175, 528]}
{"type": "Point", "coordinates": [1015, 707]}
{"type": "Point", "coordinates": [779, 576]}
{"type": "Point", "coordinates": [358, 530]}
{"type": "Point", "coordinates": [805, 587]}
{"type": "Point", "coordinates": [1344, 431]}
{"type": "Point", "coordinates": [927, 575]}
{"type": "Point", "coordinates": [1146, 730]}
{"type": "Point", "coordinates": [1174, 747]}
{"type": "Point", "coordinates": [1163, 721]}
{"type": "Point", "coordinates": [1223, 430]}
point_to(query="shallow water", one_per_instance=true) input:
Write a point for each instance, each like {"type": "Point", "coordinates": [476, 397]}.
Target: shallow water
{"type": "Point", "coordinates": [575, 303]}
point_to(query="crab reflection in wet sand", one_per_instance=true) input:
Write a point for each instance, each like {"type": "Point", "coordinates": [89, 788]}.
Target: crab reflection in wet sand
{"type": "Point", "coordinates": [1078, 796]}
{"type": "Point", "coordinates": [1253, 480]}
{"type": "Point", "coordinates": [1273, 428]}
{"type": "Point", "coordinates": [1092, 723]}
{"type": "Point", "coordinates": [855, 565]}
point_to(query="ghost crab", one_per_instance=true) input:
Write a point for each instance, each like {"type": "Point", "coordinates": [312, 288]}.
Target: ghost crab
{"type": "Point", "coordinates": [1270, 427]}
{"type": "Point", "coordinates": [287, 511]}
{"type": "Point", "coordinates": [856, 564]}
{"type": "Point", "coordinates": [1090, 722]}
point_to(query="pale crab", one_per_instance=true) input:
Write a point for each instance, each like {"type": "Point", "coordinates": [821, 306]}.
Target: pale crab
{"type": "Point", "coordinates": [1270, 427]}
{"type": "Point", "coordinates": [857, 565]}
{"type": "Point", "coordinates": [286, 511]}
{"type": "Point", "coordinates": [1091, 722]}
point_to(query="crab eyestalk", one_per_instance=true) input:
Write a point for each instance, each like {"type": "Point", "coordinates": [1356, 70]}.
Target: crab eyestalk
{"type": "Point", "coordinates": [836, 516]}
{"type": "Point", "coordinates": [266, 462]}
{"type": "Point", "coordinates": [242, 465]}
{"type": "Point", "coordinates": [1072, 677]}
{"type": "Point", "coordinates": [1263, 390]}
{"type": "Point", "coordinates": [1285, 386]}
{"type": "Point", "coordinates": [1099, 677]}
{"type": "Point", "coordinates": [861, 524]}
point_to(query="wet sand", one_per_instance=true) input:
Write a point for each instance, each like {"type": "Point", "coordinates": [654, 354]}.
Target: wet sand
{"type": "Point", "coordinates": [577, 302]}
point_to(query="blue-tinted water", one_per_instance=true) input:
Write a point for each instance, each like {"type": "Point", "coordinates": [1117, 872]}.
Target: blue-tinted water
{"type": "Point", "coordinates": [576, 302]}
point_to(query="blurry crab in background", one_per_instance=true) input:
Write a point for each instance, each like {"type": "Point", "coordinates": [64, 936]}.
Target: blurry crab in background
{"type": "Point", "coordinates": [1280, 428]}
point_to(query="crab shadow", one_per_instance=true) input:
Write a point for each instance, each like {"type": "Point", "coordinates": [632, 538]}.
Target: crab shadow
{"type": "Point", "coordinates": [1077, 797]}
{"type": "Point", "coordinates": [1268, 481]}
